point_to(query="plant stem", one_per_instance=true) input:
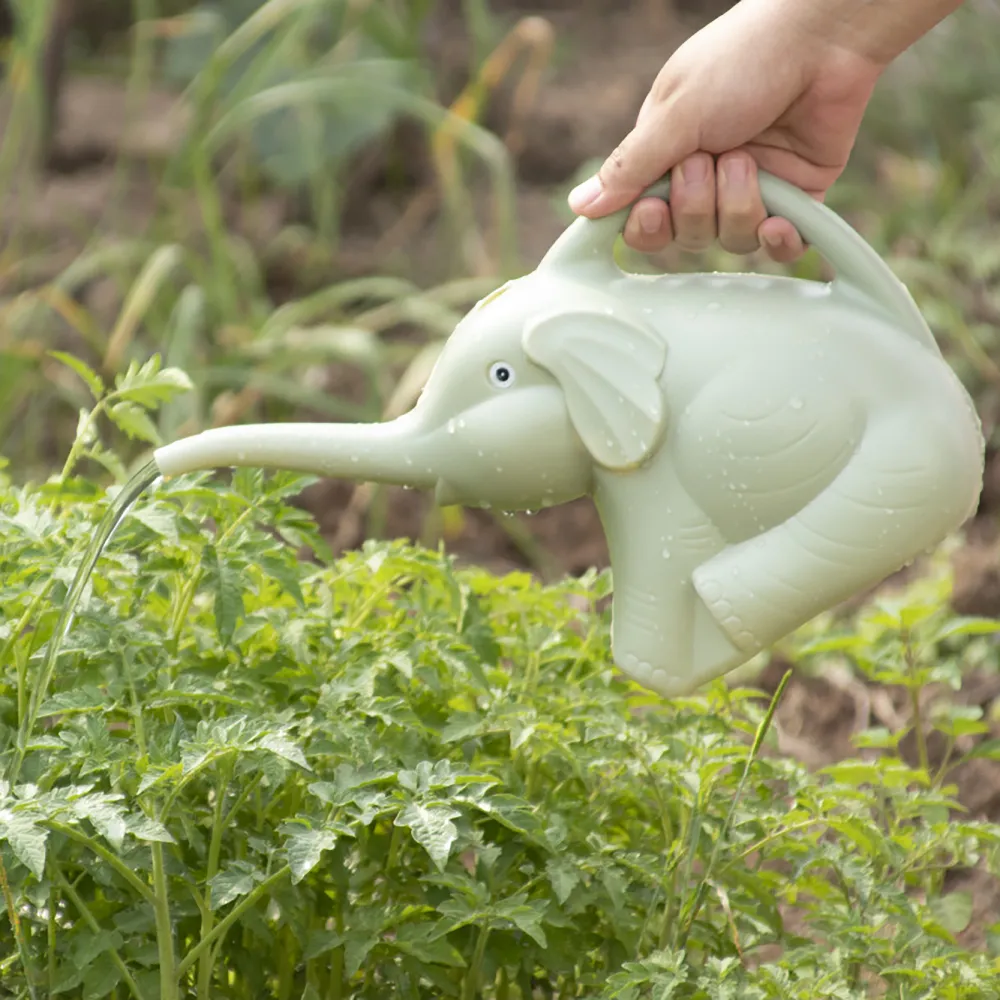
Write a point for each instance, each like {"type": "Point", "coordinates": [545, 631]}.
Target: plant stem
{"type": "Point", "coordinates": [918, 728]}
{"type": "Point", "coordinates": [164, 928]}
{"type": "Point", "coordinates": [91, 922]}
{"type": "Point", "coordinates": [15, 923]}
{"type": "Point", "coordinates": [51, 929]}
{"type": "Point", "coordinates": [758, 740]}
{"type": "Point", "coordinates": [335, 989]}
{"type": "Point", "coordinates": [80, 441]}
{"type": "Point", "coordinates": [8, 646]}
{"type": "Point", "coordinates": [234, 914]}
{"type": "Point", "coordinates": [208, 914]}
{"type": "Point", "coordinates": [471, 984]}
{"type": "Point", "coordinates": [105, 855]}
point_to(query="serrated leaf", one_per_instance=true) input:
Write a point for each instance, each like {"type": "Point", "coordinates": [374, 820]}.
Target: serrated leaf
{"type": "Point", "coordinates": [105, 814]}
{"type": "Point", "coordinates": [432, 828]}
{"type": "Point", "coordinates": [281, 746]}
{"type": "Point", "coordinates": [304, 848]}
{"type": "Point", "coordinates": [279, 570]}
{"type": "Point", "coordinates": [26, 839]}
{"type": "Point", "coordinates": [162, 522]}
{"type": "Point", "coordinates": [356, 950]}
{"type": "Point", "coordinates": [133, 420]}
{"type": "Point", "coordinates": [320, 942]}
{"type": "Point", "coordinates": [420, 941]}
{"type": "Point", "coordinates": [461, 726]}
{"type": "Point", "coordinates": [562, 877]}
{"type": "Point", "coordinates": [526, 916]}
{"type": "Point", "coordinates": [148, 829]}
{"type": "Point", "coordinates": [149, 385]}
{"type": "Point", "coordinates": [228, 605]}
{"type": "Point", "coordinates": [94, 381]}
{"type": "Point", "coordinates": [235, 881]}
{"type": "Point", "coordinates": [85, 699]}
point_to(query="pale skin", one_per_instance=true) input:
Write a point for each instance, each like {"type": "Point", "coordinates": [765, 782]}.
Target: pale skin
{"type": "Point", "coordinates": [778, 84]}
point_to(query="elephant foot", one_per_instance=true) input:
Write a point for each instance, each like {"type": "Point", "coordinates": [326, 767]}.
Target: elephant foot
{"type": "Point", "coordinates": [671, 659]}
{"type": "Point", "coordinates": [729, 602]}
{"type": "Point", "coordinates": [720, 642]}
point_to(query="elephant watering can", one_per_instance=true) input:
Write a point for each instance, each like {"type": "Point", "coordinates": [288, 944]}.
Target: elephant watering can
{"type": "Point", "coordinates": [758, 448]}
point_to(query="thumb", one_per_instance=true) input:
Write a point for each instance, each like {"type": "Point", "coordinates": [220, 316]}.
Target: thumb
{"type": "Point", "coordinates": [649, 151]}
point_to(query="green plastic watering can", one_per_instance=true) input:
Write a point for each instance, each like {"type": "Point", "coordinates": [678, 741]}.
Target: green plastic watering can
{"type": "Point", "coordinates": [758, 448]}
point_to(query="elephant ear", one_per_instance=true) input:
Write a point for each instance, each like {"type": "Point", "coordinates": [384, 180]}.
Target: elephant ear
{"type": "Point", "coordinates": [609, 369]}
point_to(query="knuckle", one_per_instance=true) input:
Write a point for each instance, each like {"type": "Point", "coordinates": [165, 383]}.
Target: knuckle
{"type": "Point", "coordinates": [742, 213]}
{"type": "Point", "coordinates": [614, 166]}
{"type": "Point", "coordinates": [695, 217]}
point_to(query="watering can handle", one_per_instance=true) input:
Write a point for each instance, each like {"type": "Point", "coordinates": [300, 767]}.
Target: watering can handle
{"type": "Point", "coordinates": [590, 243]}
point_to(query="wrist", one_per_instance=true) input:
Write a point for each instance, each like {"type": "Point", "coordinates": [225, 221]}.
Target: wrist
{"type": "Point", "coordinates": [875, 32]}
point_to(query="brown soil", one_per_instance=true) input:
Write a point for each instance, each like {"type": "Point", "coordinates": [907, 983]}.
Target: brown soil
{"type": "Point", "coordinates": [608, 54]}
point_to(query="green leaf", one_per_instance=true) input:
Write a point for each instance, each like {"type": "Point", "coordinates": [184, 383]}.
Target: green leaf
{"type": "Point", "coordinates": [237, 880]}
{"type": "Point", "coordinates": [133, 420]}
{"type": "Point", "coordinates": [148, 384]}
{"type": "Point", "coordinates": [305, 847]}
{"type": "Point", "coordinates": [105, 814]}
{"type": "Point", "coordinates": [562, 877]}
{"type": "Point", "coordinates": [358, 945]}
{"type": "Point", "coordinates": [93, 945]}
{"type": "Point", "coordinates": [100, 979]}
{"type": "Point", "coordinates": [421, 941]}
{"type": "Point", "coordinates": [148, 829]}
{"type": "Point", "coordinates": [160, 521]}
{"type": "Point", "coordinates": [84, 699]}
{"type": "Point", "coordinates": [953, 912]}
{"type": "Point", "coordinates": [526, 916]}
{"type": "Point", "coordinates": [26, 840]}
{"type": "Point", "coordinates": [281, 746]}
{"type": "Point", "coordinates": [284, 574]}
{"type": "Point", "coordinates": [967, 626]}
{"type": "Point", "coordinates": [432, 828]}
{"type": "Point", "coordinates": [228, 605]}
{"type": "Point", "coordinates": [94, 381]}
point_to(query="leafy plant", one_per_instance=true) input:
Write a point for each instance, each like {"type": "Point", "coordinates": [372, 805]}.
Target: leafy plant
{"type": "Point", "coordinates": [259, 772]}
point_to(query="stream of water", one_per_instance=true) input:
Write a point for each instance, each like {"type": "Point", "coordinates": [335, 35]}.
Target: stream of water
{"type": "Point", "coordinates": [129, 494]}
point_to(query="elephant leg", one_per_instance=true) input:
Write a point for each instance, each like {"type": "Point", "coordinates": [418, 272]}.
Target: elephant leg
{"type": "Point", "coordinates": [657, 535]}
{"type": "Point", "coordinates": [909, 483]}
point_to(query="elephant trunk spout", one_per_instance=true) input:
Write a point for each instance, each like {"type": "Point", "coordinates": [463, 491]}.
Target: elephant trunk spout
{"type": "Point", "coordinates": [391, 452]}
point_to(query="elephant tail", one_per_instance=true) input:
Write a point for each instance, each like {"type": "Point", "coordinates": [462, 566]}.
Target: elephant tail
{"type": "Point", "coordinates": [856, 263]}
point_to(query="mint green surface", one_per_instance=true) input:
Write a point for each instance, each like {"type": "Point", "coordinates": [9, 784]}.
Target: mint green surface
{"type": "Point", "coordinates": [758, 448]}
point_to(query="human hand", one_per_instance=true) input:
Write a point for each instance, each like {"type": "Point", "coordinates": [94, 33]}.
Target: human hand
{"type": "Point", "coordinates": [757, 87]}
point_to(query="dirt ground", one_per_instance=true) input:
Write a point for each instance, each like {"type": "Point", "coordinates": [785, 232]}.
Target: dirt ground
{"type": "Point", "coordinates": [587, 102]}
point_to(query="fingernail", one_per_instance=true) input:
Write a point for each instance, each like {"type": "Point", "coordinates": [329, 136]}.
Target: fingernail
{"type": "Point", "coordinates": [650, 219]}
{"type": "Point", "coordinates": [585, 194]}
{"type": "Point", "coordinates": [695, 171]}
{"type": "Point", "coordinates": [772, 240]}
{"type": "Point", "coordinates": [735, 172]}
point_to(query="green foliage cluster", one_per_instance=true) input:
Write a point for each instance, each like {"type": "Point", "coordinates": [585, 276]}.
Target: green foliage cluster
{"type": "Point", "coordinates": [260, 773]}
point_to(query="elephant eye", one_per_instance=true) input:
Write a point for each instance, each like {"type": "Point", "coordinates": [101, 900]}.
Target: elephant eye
{"type": "Point", "coordinates": [501, 374]}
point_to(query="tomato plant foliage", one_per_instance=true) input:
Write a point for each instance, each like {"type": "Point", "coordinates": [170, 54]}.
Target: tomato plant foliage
{"type": "Point", "coordinates": [260, 772]}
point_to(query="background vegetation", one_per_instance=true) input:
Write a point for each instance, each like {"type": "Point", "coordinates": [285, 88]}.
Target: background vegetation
{"type": "Point", "coordinates": [281, 758]}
